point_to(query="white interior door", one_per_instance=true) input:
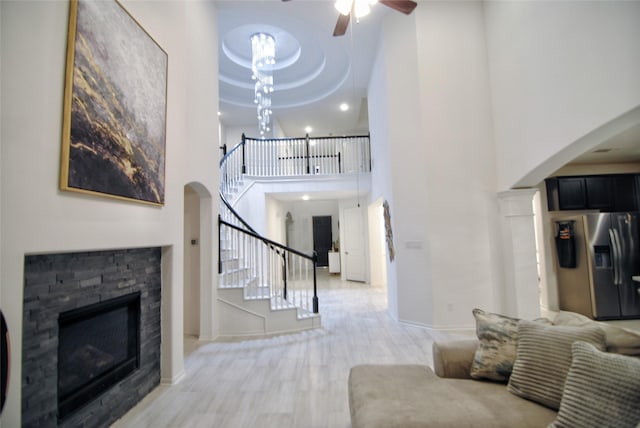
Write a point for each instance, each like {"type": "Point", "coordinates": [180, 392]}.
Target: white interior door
{"type": "Point", "coordinates": [354, 245]}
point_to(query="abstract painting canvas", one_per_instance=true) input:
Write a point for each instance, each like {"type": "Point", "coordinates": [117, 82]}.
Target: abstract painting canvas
{"type": "Point", "coordinates": [114, 121]}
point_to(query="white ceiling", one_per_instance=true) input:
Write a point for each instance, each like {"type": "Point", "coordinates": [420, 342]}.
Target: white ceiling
{"type": "Point", "coordinates": [622, 148]}
{"type": "Point", "coordinates": [317, 72]}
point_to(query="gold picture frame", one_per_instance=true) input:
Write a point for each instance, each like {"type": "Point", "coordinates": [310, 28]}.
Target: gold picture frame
{"type": "Point", "coordinates": [115, 105]}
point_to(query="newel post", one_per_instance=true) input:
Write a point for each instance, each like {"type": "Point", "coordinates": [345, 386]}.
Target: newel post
{"type": "Point", "coordinates": [244, 165]}
{"type": "Point", "coordinates": [308, 164]}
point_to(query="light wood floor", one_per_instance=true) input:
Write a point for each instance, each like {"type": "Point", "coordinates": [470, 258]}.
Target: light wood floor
{"type": "Point", "coordinates": [293, 380]}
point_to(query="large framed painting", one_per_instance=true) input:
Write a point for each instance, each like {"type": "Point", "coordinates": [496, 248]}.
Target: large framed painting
{"type": "Point", "coordinates": [115, 106]}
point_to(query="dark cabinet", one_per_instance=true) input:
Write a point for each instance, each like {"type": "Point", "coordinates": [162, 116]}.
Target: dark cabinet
{"type": "Point", "coordinates": [572, 194]}
{"type": "Point", "coordinates": [599, 193]}
{"type": "Point", "coordinates": [606, 193]}
{"type": "Point", "coordinates": [625, 192]}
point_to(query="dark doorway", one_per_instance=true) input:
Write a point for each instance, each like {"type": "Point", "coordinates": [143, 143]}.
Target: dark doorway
{"type": "Point", "coordinates": [322, 238]}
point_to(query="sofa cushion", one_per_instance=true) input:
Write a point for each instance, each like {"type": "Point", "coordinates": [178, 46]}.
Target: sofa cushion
{"type": "Point", "coordinates": [453, 358]}
{"type": "Point", "coordinates": [544, 357]}
{"type": "Point", "coordinates": [602, 390]}
{"type": "Point", "coordinates": [619, 340]}
{"type": "Point", "coordinates": [413, 396]}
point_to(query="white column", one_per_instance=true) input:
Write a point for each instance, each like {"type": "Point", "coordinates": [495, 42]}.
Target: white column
{"type": "Point", "coordinates": [521, 293]}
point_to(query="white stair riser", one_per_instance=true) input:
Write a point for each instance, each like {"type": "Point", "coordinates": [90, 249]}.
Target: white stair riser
{"type": "Point", "coordinates": [242, 316]}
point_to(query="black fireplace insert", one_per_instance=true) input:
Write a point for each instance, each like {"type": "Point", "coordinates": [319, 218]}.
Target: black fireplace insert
{"type": "Point", "coordinates": [98, 346]}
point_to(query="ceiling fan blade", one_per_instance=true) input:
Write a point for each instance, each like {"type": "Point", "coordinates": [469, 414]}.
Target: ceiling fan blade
{"type": "Point", "coordinates": [404, 6]}
{"type": "Point", "coordinates": [341, 25]}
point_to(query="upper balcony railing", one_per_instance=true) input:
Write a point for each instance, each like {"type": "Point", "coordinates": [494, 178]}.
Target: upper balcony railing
{"type": "Point", "coordinates": [284, 157]}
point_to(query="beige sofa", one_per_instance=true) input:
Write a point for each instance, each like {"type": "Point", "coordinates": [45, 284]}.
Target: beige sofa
{"type": "Point", "coordinates": [414, 396]}
{"type": "Point", "coordinates": [417, 396]}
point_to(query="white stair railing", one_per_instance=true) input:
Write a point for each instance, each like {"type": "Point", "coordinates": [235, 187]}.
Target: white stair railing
{"type": "Point", "coordinates": [287, 157]}
{"type": "Point", "coordinates": [267, 269]}
{"type": "Point", "coordinates": [302, 156]}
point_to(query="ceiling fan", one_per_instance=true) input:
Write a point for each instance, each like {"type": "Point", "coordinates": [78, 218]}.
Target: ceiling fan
{"type": "Point", "coordinates": [361, 8]}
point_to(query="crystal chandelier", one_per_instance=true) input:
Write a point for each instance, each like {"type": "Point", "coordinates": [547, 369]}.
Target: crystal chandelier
{"type": "Point", "coordinates": [263, 58]}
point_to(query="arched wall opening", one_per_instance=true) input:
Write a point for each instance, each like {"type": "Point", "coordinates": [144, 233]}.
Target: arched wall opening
{"type": "Point", "coordinates": [199, 287]}
{"type": "Point", "coordinates": [588, 142]}
{"type": "Point", "coordinates": [544, 231]}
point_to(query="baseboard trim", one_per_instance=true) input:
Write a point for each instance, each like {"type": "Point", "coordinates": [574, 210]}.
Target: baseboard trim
{"type": "Point", "coordinates": [173, 380]}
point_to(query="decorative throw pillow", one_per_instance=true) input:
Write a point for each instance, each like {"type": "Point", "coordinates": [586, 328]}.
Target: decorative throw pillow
{"type": "Point", "coordinates": [498, 335]}
{"type": "Point", "coordinates": [543, 359]}
{"type": "Point", "coordinates": [618, 340]}
{"type": "Point", "coordinates": [602, 390]}
{"type": "Point", "coordinates": [496, 352]}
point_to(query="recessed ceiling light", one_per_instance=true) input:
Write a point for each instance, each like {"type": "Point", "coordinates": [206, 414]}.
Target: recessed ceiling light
{"type": "Point", "coordinates": [308, 129]}
{"type": "Point", "coordinates": [305, 197]}
{"type": "Point", "coordinates": [344, 106]}
{"type": "Point", "coordinates": [219, 113]}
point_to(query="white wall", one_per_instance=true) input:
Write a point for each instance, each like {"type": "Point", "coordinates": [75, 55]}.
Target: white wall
{"type": "Point", "coordinates": [201, 148]}
{"type": "Point", "coordinates": [559, 70]}
{"type": "Point", "coordinates": [233, 135]}
{"type": "Point", "coordinates": [431, 131]}
{"type": "Point", "coordinates": [275, 214]}
{"type": "Point", "coordinates": [459, 160]}
{"type": "Point", "coordinates": [380, 161]}
{"type": "Point", "coordinates": [278, 132]}
{"type": "Point", "coordinates": [467, 100]}
{"type": "Point", "coordinates": [407, 152]}
{"type": "Point", "coordinates": [251, 205]}
{"type": "Point", "coordinates": [37, 217]}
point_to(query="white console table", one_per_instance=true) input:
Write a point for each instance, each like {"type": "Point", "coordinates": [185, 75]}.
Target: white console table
{"type": "Point", "coordinates": [334, 262]}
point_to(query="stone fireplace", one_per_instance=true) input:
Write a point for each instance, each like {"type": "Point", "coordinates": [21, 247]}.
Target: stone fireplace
{"type": "Point", "coordinates": [91, 335]}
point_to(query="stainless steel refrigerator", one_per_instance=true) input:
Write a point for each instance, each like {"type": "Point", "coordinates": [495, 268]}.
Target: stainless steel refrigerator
{"type": "Point", "coordinates": [597, 255]}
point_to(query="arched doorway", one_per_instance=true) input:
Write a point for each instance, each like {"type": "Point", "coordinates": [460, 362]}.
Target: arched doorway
{"type": "Point", "coordinates": [199, 256]}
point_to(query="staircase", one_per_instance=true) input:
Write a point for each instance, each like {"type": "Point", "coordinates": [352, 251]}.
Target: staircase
{"type": "Point", "coordinates": [264, 286]}
{"type": "Point", "coordinates": [249, 305]}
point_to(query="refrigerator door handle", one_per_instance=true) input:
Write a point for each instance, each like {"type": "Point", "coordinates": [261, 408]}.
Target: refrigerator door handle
{"type": "Point", "coordinates": [616, 256]}
{"type": "Point", "coordinates": [621, 269]}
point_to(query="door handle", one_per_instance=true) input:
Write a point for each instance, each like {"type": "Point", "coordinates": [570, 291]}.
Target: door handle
{"type": "Point", "coordinates": [619, 257]}
{"type": "Point", "coordinates": [616, 256]}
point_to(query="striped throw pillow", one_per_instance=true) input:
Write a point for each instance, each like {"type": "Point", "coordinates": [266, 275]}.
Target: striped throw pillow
{"type": "Point", "coordinates": [543, 359]}
{"type": "Point", "coordinates": [602, 390]}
